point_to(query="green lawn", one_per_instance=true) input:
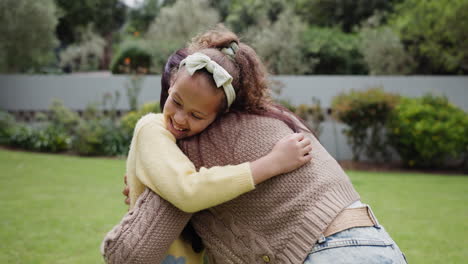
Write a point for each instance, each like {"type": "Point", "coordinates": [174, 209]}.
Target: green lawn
{"type": "Point", "coordinates": [56, 209]}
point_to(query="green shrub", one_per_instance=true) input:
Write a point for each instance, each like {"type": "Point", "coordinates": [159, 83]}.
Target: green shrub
{"type": "Point", "coordinates": [62, 117]}
{"type": "Point", "coordinates": [133, 56]}
{"type": "Point", "coordinates": [427, 131]}
{"type": "Point", "coordinates": [104, 136]}
{"type": "Point", "coordinates": [129, 120]}
{"type": "Point", "coordinates": [45, 137]}
{"type": "Point", "coordinates": [52, 135]}
{"type": "Point", "coordinates": [21, 136]}
{"type": "Point", "coordinates": [365, 113]}
{"type": "Point", "coordinates": [7, 122]}
{"type": "Point", "coordinates": [51, 138]}
{"type": "Point", "coordinates": [87, 140]}
{"type": "Point", "coordinates": [114, 141]}
{"type": "Point", "coordinates": [99, 137]}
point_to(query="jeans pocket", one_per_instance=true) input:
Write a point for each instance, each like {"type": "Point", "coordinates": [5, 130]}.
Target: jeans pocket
{"type": "Point", "coordinates": [357, 245]}
{"type": "Point", "coordinates": [354, 242]}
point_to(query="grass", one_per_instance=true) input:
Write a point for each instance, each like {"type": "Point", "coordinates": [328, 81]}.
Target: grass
{"type": "Point", "coordinates": [56, 209]}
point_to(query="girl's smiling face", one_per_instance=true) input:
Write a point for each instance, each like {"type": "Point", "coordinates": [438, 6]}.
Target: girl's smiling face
{"type": "Point", "coordinates": [192, 105]}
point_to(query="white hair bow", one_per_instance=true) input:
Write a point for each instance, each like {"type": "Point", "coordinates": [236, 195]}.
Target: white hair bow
{"type": "Point", "coordinates": [198, 61]}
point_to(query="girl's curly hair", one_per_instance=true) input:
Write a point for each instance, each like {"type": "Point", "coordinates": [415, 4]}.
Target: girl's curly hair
{"type": "Point", "coordinates": [250, 78]}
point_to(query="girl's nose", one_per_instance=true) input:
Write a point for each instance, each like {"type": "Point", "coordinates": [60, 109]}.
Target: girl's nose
{"type": "Point", "coordinates": [179, 118]}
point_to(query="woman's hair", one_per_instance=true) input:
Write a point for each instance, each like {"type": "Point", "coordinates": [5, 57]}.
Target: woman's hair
{"type": "Point", "coordinates": [250, 78]}
{"type": "Point", "coordinates": [171, 66]}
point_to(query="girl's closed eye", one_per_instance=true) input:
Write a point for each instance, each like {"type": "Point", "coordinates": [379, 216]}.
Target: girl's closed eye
{"type": "Point", "coordinates": [197, 117]}
{"type": "Point", "coordinates": [177, 103]}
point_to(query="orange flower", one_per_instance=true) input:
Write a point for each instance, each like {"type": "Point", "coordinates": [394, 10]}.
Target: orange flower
{"type": "Point", "coordinates": [136, 33]}
{"type": "Point", "coordinates": [127, 61]}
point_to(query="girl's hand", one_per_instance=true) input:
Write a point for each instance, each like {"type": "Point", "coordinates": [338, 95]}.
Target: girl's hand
{"type": "Point", "coordinates": [290, 153]}
{"type": "Point", "coordinates": [126, 191]}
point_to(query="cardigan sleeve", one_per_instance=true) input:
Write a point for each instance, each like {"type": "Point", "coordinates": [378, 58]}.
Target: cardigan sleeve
{"type": "Point", "coordinates": [145, 233]}
{"type": "Point", "coordinates": [165, 169]}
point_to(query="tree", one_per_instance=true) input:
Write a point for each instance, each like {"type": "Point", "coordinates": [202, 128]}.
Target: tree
{"type": "Point", "coordinates": [435, 33]}
{"type": "Point", "coordinates": [222, 6]}
{"type": "Point", "coordinates": [141, 17]}
{"type": "Point", "coordinates": [383, 50]}
{"type": "Point", "coordinates": [343, 13]}
{"type": "Point", "coordinates": [280, 44]}
{"type": "Point", "coordinates": [174, 26]}
{"type": "Point", "coordinates": [107, 15]}
{"type": "Point", "coordinates": [336, 52]}
{"type": "Point", "coordinates": [26, 34]}
{"type": "Point", "coordinates": [86, 53]}
{"type": "Point", "coordinates": [244, 14]}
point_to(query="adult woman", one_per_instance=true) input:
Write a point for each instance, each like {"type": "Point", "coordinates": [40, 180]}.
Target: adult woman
{"type": "Point", "coordinates": [310, 215]}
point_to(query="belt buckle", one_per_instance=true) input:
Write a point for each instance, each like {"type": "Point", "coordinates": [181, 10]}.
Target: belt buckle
{"type": "Point", "coordinates": [372, 217]}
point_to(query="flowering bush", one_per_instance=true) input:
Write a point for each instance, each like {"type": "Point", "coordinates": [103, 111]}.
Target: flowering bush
{"type": "Point", "coordinates": [133, 56]}
{"type": "Point", "coordinates": [365, 113]}
{"type": "Point", "coordinates": [427, 131]}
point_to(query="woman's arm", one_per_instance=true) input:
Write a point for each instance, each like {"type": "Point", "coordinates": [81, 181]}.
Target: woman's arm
{"type": "Point", "coordinates": [145, 233]}
{"type": "Point", "coordinates": [160, 165]}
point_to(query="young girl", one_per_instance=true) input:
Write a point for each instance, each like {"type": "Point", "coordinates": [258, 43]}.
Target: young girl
{"type": "Point", "coordinates": [201, 89]}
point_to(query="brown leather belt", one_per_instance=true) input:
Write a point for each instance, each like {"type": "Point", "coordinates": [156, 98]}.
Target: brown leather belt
{"type": "Point", "coordinates": [351, 217]}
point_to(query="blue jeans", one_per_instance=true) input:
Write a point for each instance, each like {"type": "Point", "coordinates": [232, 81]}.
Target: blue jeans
{"type": "Point", "coordinates": [360, 245]}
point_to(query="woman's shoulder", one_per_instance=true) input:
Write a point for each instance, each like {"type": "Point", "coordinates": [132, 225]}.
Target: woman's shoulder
{"type": "Point", "coordinates": [251, 121]}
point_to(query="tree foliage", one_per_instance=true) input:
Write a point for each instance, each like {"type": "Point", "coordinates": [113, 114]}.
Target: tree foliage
{"type": "Point", "coordinates": [244, 14]}
{"type": "Point", "coordinates": [141, 17]}
{"type": "Point", "coordinates": [435, 33]}
{"type": "Point", "coordinates": [86, 53]}
{"type": "Point", "coordinates": [335, 51]}
{"type": "Point", "coordinates": [175, 26]}
{"type": "Point", "coordinates": [280, 44]}
{"type": "Point", "coordinates": [109, 15]}
{"type": "Point", "coordinates": [26, 34]}
{"type": "Point", "coordinates": [384, 53]}
{"type": "Point", "coordinates": [343, 13]}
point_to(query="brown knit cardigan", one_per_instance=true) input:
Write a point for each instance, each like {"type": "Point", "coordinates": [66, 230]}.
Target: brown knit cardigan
{"type": "Point", "coordinates": [278, 222]}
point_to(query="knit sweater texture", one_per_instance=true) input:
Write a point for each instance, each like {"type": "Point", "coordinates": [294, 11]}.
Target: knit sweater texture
{"type": "Point", "coordinates": [279, 221]}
